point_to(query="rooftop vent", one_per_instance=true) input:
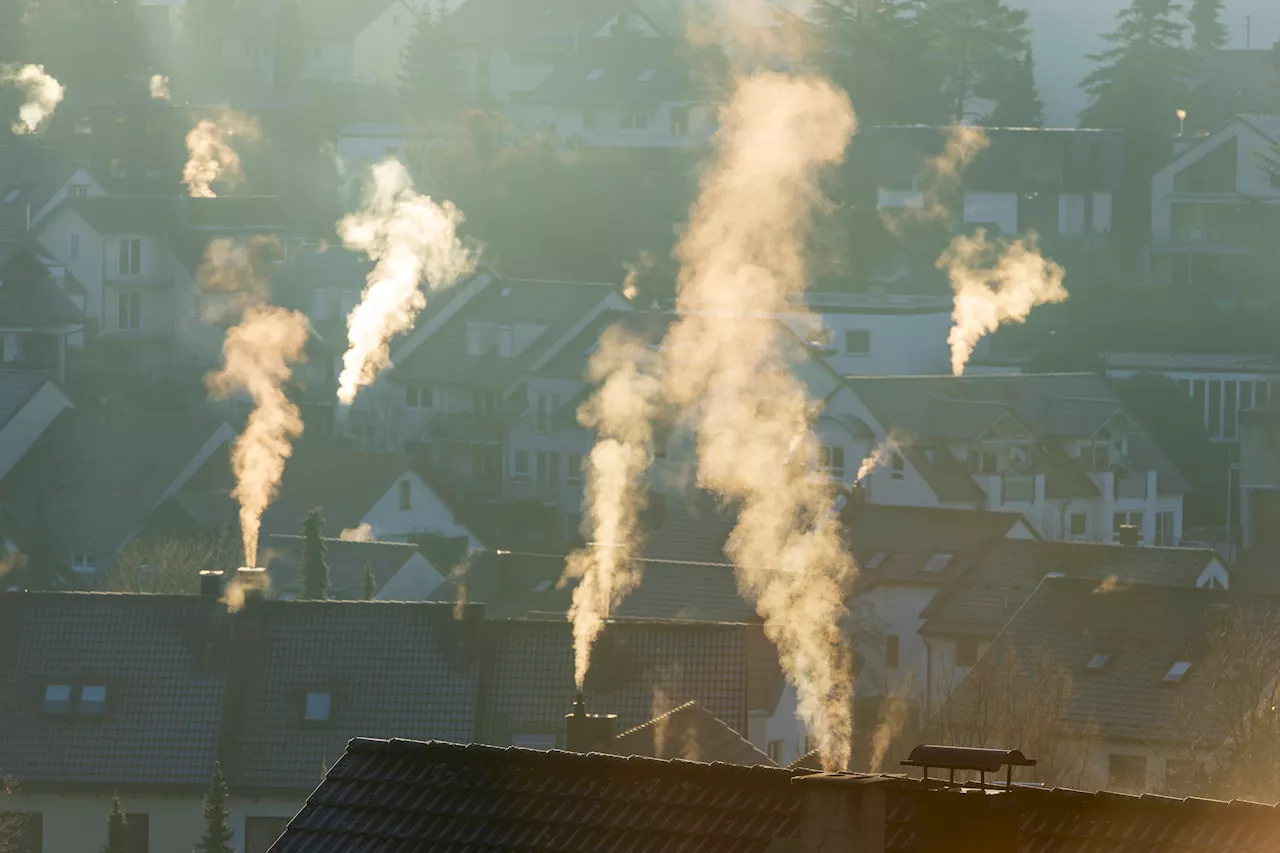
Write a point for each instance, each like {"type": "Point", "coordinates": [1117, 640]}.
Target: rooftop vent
{"type": "Point", "coordinates": [969, 758]}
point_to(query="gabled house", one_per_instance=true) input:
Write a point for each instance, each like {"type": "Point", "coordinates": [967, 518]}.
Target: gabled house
{"type": "Point", "coordinates": [400, 572]}
{"type": "Point", "coordinates": [1059, 449]}
{"type": "Point", "coordinates": [41, 311]}
{"type": "Point", "coordinates": [1215, 207]}
{"type": "Point", "coordinates": [34, 182]}
{"type": "Point", "coordinates": [869, 334]}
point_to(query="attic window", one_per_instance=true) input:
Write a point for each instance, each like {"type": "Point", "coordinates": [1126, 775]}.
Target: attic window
{"type": "Point", "coordinates": [93, 699]}
{"type": "Point", "coordinates": [1177, 672]}
{"type": "Point", "coordinates": [937, 563]}
{"type": "Point", "coordinates": [12, 195]}
{"type": "Point", "coordinates": [1097, 661]}
{"type": "Point", "coordinates": [317, 707]}
{"type": "Point", "coordinates": [645, 76]}
{"type": "Point", "coordinates": [57, 699]}
{"type": "Point", "coordinates": [877, 560]}
{"type": "Point", "coordinates": [594, 74]}
{"type": "Point", "coordinates": [542, 586]}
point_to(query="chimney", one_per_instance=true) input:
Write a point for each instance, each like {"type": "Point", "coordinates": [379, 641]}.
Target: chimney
{"type": "Point", "coordinates": [253, 582]}
{"type": "Point", "coordinates": [1129, 535]}
{"type": "Point", "coordinates": [211, 582]}
{"type": "Point", "coordinates": [588, 732]}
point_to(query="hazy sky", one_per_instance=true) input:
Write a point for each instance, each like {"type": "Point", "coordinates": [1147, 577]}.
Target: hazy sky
{"type": "Point", "coordinates": [1066, 31]}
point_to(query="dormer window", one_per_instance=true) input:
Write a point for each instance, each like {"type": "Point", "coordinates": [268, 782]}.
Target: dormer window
{"type": "Point", "coordinates": [317, 708]}
{"type": "Point", "coordinates": [57, 699]}
{"type": "Point", "coordinates": [984, 461]}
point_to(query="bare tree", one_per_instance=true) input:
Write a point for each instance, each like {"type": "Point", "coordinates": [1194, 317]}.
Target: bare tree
{"type": "Point", "coordinates": [171, 565]}
{"type": "Point", "coordinates": [11, 822]}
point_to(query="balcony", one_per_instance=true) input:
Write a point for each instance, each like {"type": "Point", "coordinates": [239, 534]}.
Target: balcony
{"type": "Point", "coordinates": [468, 428]}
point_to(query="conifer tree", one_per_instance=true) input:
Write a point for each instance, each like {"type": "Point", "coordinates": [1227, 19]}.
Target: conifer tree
{"type": "Point", "coordinates": [370, 585]}
{"type": "Point", "coordinates": [1019, 104]}
{"type": "Point", "coordinates": [1207, 31]}
{"type": "Point", "coordinates": [217, 833]}
{"type": "Point", "coordinates": [432, 79]}
{"type": "Point", "coordinates": [117, 829]}
{"type": "Point", "coordinates": [315, 572]}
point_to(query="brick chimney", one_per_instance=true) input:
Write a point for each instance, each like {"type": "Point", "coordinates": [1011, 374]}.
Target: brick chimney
{"type": "Point", "coordinates": [588, 732]}
{"type": "Point", "coordinates": [211, 582]}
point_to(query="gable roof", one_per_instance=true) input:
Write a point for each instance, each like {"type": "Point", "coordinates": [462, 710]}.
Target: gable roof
{"type": "Point", "coordinates": [32, 175]}
{"type": "Point", "coordinates": [158, 657]}
{"type": "Point", "coordinates": [691, 732]}
{"type": "Point", "coordinates": [440, 795]}
{"type": "Point", "coordinates": [570, 360]}
{"type": "Point", "coordinates": [29, 295]}
{"type": "Point", "coordinates": [996, 583]}
{"type": "Point", "coordinates": [548, 23]}
{"type": "Point", "coordinates": [282, 556]}
{"type": "Point", "coordinates": [621, 71]}
{"type": "Point", "coordinates": [390, 667]}
{"type": "Point", "coordinates": [17, 387]}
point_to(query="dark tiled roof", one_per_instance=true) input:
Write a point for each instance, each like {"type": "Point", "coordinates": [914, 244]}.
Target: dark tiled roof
{"type": "Point", "coordinates": [996, 582]}
{"type": "Point", "coordinates": [948, 479]}
{"type": "Point", "coordinates": [437, 796]}
{"type": "Point", "coordinates": [511, 586]}
{"type": "Point", "coordinates": [529, 677]}
{"type": "Point", "coordinates": [609, 72]}
{"type": "Point", "coordinates": [692, 733]}
{"type": "Point", "coordinates": [391, 668]}
{"type": "Point", "coordinates": [16, 388]}
{"type": "Point", "coordinates": [570, 361]}
{"type": "Point", "coordinates": [282, 555]}
{"type": "Point", "coordinates": [551, 23]}
{"type": "Point", "coordinates": [30, 296]}
{"type": "Point", "coordinates": [36, 175]}
{"type": "Point", "coordinates": [159, 658]}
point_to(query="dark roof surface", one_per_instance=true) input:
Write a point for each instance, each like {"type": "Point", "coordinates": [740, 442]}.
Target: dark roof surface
{"type": "Point", "coordinates": [690, 732]}
{"type": "Point", "coordinates": [609, 72]}
{"type": "Point", "coordinates": [282, 556]}
{"type": "Point", "coordinates": [16, 388]}
{"type": "Point", "coordinates": [996, 582]}
{"type": "Point", "coordinates": [391, 795]}
{"type": "Point", "coordinates": [29, 295]}
{"type": "Point", "coordinates": [158, 657]}
{"type": "Point", "coordinates": [570, 361]}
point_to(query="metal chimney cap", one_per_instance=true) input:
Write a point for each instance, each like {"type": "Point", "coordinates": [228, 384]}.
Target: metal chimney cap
{"type": "Point", "coordinates": [966, 758]}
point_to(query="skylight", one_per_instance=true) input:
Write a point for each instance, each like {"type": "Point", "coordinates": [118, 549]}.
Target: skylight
{"type": "Point", "coordinates": [594, 74]}
{"type": "Point", "coordinates": [12, 195]}
{"type": "Point", "coordinates": [877, 560]}
{"type": "Point", "coordinates": [317, 708]}
{"type": "Point", "coordinates": [937, 562]}
{"type": "Point", "coordinates": [57, 699]}
{"type": "Point", "coordinates": [542, 586]}
{"type": "Point", "coordinates": [1177, 671]}
{"type": "Point", "coordinates": [93, 699]}
{"type": "Point", "coordinates": [1097, 661]}
{"type": "Point", "coordinates": [645, 76]}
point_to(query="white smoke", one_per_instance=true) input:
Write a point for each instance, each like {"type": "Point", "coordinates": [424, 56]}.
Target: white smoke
{"type": "Point", "coordinates": [359, 533]}
{"type": "Point", "coordinates": [210, 156]}
{"type": "Point", "coordinates": [159, 87]}
{"type": "Point", "coordinates": [41, 91]}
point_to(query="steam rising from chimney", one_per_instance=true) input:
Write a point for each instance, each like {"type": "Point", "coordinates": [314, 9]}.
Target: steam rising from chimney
{"type": "Point", "coordinates": [210, 156]}
{"type": "Point", "coordinates": [942, 176]}
{"type": "Point", "coordinates": [621, 412]}
{"type": "Point", "coordinates": [994, 284]}
{"type": "Point", "coordinates": [410, 237]}
{"type": "Point", "coordinates": [743, 258]}
{"type": "Point", "coordinates": [42, 93]}
{"type": "Point", "coordinates": [159, 87]}
{"type": "Point", "coordinates": [880, 455]}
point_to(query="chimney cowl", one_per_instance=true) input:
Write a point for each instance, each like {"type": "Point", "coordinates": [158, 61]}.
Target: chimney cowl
{"type": "Point", "coordinates": [588, 732]}
{"type": "Point", "coordinates": [211, 582]}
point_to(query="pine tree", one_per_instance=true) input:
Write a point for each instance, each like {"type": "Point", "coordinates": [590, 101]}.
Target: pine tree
{"type": "Point", "coordinates": [117, 829]}
{"type": "Point", "coordinates": [432, 80]}
{"type": "Point", "coordinates": [217, 834]}
{"type": "Point", "coordinates": [1207, 31]}
{"type": "Point", "coordinates": [315, 573]}
{"type": "Point", "coordinates": [1019, 104]}
{"type": "Point", "coordinates": [370, 585]}
{"type": "Point", "coordinates": [976, 45]}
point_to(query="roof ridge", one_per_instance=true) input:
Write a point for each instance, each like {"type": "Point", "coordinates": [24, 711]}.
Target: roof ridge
{"type": "Point", "coordinates": [663, 716]}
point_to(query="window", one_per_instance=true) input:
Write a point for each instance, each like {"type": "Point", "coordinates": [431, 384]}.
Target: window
{"type": "Point", "coordinates": [575, 468]}
{"type": "Point", "coordinates": [78, 191]}
{"type": "Point", "coordinates": [530, 740]}
{"type": "Point", "coordinates": [1079, 524]}
{"type": "Point", "coordinates": [966, 651]}
{"type": "Point", "coordinates": [857, 341]}
{"type": "Point", "coordinates": [129, 260]}
{"type": "Point", "coordinates": [317, 707]}
{"type": "Point", "coordinates": [548, 468]}
{"type": "Point", "coordinates": [506, 342]}
{"type": "Point", "coordinates": [137, 828]}
{"type": "Point", "coordinates": [93, 699]}
{"type": "Point", "coordinates": [679, 121]}
{"type": "Point", "coordinates": [633, 119]}
{"type": "Point", "coordinates": [83, 562]}
{"type": "Point", "coordinates": [406, 495]}
{"type": "Point", "coordinates": [645, 76]}
{"type": "Point", "coordinates": [57, 699]}
{"type": "Point", "coordinates": [73, 247]}
{"type": "Point", "coordinates": [833, 461]}
{"type": "Point", "coordinates": [419, 397]}
{"type": "Point", "coordinates": [129, 312]}
{"type": "Point", "coordinates": [936, 563]}
{"type": "Point", "coordinates": [1177, 672]}
{"type": "Point", "coordinates": [1180, 774]}
{"type": "Point", "coordinates": [898, 467]}
{"type": "Point", "coordinates": [1097, 661]}
{"type": "Point", "coordinates": [891, 651]}
{"type": "Point", "coordinates": [594, 74]}
{"type": "Point", "coordinates": [1230, 411]}
{"type": "Point", "coordinates": [545, 405]}
{"type": "Point", "coordinates": [589, 119]}
{"type": "Point", "coordinates": [1164, 528]}
{"type": "Point", "coordinates": [774, 750]}
{"type": "Point", "coordinates": [877, 560]}
{"type": "Point", "coordinates": [1126, 772]}
{"type": "Point", "coordinates": [984, 461]}
{"type": "Point", "coordinates": [541, 457]}
{"type": "Point", "coordinates": [484, 403]}
{"type": "Point", "coordinates": [11, 196]}
{"type": "Point", "coordinates": [1215, 409]}
{"type": "Point", "coordinates": [520, 467]}
{"type": "Point", "coordinates": [261, 832]}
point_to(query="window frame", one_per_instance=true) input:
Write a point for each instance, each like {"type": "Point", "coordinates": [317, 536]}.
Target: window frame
{"type": "Point", "coordinates": [129, 263]}
{"type": "Point", "coordinates": [897, 467]}
{"type": "Point", "coordinates": [573, 475]}
{"type": "Point", "coordinates": [520, 473]}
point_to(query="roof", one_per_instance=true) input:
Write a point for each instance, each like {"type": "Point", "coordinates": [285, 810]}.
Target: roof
{"type": "Point", "coordinates": [29, 294]}
{"type": "Point", "coordinates": [389, 794]}
{"type": "Point", "coordinates": [35, 174]}
{"type": "Point", "coordinates": [282, 556]}
{"type": "Point", "coordinates": [390, 667]}
{"type": "Point", "coordinates": [691, 732]}
{"type": "Point", "coordinates": [610, 72]}
{"type": "Point", "coordinates": [541, 312]}
{"type": "Point", "coordinates": [570, 360]}
{"type": "Point", "coordinates": [549, 23]}
{"type": "Point", "coordinates": [166, 214]}
{"type": "Point", "coordinates": [1143, 630]}
{"type": "Point", "coordinates": [980, 600]}
{"type": "Point", "coordinates": [157, 657]}
{"type": "Point", "coordinates": [16, 388]}
{"type": "Point", "coordinates": [529, 677]}
{"type": "Point", "coordinates": [103, 475]}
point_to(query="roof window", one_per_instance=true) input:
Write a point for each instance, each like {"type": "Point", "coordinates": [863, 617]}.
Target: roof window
{"type": "Point", "coordinates": [93, 699]}
{"type": "Point", "coordinates": [877, 560]}
{"type": "Point", "coordinates": [1177, 672]}
{"type": "Point", "coordinates": [594, 74]}
{"type": "Point", "coordinates": [57, 699]}
{"type": "Point", "coordinates": [645, 76]}
{"type": "Point", "coordinates": [12, 196]}
{"type": "Point", "coordinates": [1097, 661]}
{"type": "Point", "coordinates": [937, 562]}
{"type": "Point", "coordinates": [542, 586]}
{"type": "Point", "coordinates": [317, 708]}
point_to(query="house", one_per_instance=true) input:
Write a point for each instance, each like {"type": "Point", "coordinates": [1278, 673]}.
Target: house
{"type": "Point", "coordinates": [400, 571]}
{"type": "Point", "coordinates": [1259, 468]}
{"type": "Point", "coordinates": [138, 695]}
{"type": "Point", "coordinates": [1228, 83]}
{"type": "Point", "coordinates": [1058, 182]}
{"type": "Point", "coordinates": [33, 181]}
{"type": "Point", "coordinates": [384, 792]}
{"type": "Point", "coordinates": [692, 732]}
{"type": "Point", "coordinates": [1146, 706]}
{"type": "Point", "coordinates": [1214, 208]}
{"type": "Point", "coordinates": [41, 311]}
{"type": "Point", "coordinates": [630, 92]}
{"type": "Point", "coordinates": [1059, 449]}
{"type": "Point", "coordinates": [96, 479]}
{"type": "Point", "coordinates": [963, 619]}
{"type": "Point", "coordinates": [880, 334]}
{"type": "Point", "coordinates": [29, 403]}
{"type": "Point", "coordinates": [379, 496]}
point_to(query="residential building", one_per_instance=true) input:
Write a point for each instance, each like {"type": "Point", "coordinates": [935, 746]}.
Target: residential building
{"type": "Point", "coordinates": [1259, 479]}
{"type": "Point", "coordinates": [1215, 208]}
{"type": "Point", "coordinates": [1058, 449]}
{"type": "Point", "coordinates": [691, 732]}
{"type": "Point", "coordinates": [138, 695]}
{"type": "Point", "coordinates": [34, 181]}
{"type": "Point", "coordinates": [1059, 183]}
{"type": "Point", "coordinates": [398, 570]}
{"type": "Point", "coordinates": [880, 334]}
{"type": "Point", "coordinates": [29, 403]}
{"type": "Point", "coordinates": [41, 311]}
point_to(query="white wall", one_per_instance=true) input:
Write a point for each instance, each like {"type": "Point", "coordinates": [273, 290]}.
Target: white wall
{"type": "Point", "coordinates": [22, 430]}
{"type": "Point", "coordinates": [414, 582]}
{"type": "Point", "coordinates": [902, 344]}
{"type": "Point", "coordinates": [427, 513]}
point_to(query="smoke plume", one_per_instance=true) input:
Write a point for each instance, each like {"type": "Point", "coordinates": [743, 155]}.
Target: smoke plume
{"type": "Point", "coordinates": [234, 276]}
{"type": "Point", "coordinates": [621, 412]}
{"type": "Point", "coordinates": [410, 237]}
{"type": "Point", "coordinates": [41, 91]}
{"type": "Point", "coordinates": [881, 454]}
{"type": "Point", "coordinates": [359, 533]}
{"type": "Point", "coordinates": [743, 258]}
{"type": "Point", "coordinates": [942, 176]}
{"type": "Point", "coordinates": [159, 87]}
{"type": "Point", "coordinates": [258, 354]}
{"type": "Point", "coordinates": [994, 284]}
{"type": "Point", "coordinates": [210, 156]}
